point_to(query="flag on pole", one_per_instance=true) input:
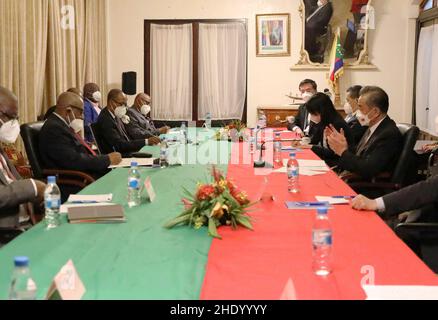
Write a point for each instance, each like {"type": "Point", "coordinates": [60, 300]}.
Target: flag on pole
{"type": "Point", "coordinates": [336, 60]}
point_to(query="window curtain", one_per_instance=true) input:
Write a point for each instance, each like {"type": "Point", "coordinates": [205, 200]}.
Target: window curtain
{"type": "Point", "coordinates": [39, 59]}
{"type": "Point", "coordinates": [222, 70]}
{"type": "Point", "coordinates": [172, 81]}
{"type": "Point", "coordinates": [427, 77]}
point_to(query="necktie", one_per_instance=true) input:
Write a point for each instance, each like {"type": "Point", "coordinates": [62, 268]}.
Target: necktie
{"type": "Point", "coordinates": [91, 151]}
{"type": "Point", "coordinates": [363, 142]}
{"type": "Point", "coordinates": [121, 129]}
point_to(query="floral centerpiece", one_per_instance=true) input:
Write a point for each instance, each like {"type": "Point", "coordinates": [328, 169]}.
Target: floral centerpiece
{"type": "Point", "coordinates": [235, 131]}
{"type": "Point", "coordinates": [217, 204]}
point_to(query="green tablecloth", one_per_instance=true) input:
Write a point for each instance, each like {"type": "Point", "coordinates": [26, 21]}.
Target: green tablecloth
{"type": "Point", "coordinates": [135, 260]}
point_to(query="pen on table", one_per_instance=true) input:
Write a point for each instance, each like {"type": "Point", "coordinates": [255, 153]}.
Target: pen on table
{"type": "Point", "coordinates": [343, 197]}
{"type": "Point", "coordinates": [83, 202]}
{"type": "Point", "coordinates": [312, 204]}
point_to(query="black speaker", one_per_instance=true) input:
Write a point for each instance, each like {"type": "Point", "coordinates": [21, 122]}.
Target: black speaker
{"type": "Point", "coordinates": [129, 83]}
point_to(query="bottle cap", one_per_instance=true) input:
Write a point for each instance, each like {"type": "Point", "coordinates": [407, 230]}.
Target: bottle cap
{"type": "Point", "coordinates": [292, 154]}
{"type": "Point", "coordinates": [51, 179]}
{"type": "Point", "coordinates": [134, 164]}
{"type": "Point", "coordinates": [21, 261]}
{"type": "Point", "coordinates": [322, 211]}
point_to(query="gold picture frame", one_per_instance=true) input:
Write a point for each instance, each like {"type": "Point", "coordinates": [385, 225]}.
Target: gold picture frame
{"type": "Point", "coordinates": [273, 35]}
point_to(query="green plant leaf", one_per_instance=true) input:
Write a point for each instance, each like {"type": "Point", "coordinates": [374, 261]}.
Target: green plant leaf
{"type": "Point", "coordinates": [212, 229]}
{"type": "Point", "coordinates": [179, 220]}
{"type": "Point", "coordinates": [244, 221]}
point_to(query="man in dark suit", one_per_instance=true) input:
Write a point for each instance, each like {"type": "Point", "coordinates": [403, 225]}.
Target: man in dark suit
{"type": "Point", "coordinates": [381, 144]}
{"type": "Point", "coordinates": [351, 108]}
{"type": "Point", "coordinates": [62, 146]}
{"type": "Point", "coordinates": [110, 125]}
{"type": "Point", "coordinates": [316, 26]}
{"type": "Point", "coordinates": [93, 97]}
{"type": "Point", "coordinates": [141, 125]}
{"type": "Point", "coordinates": [16, 194]}
{"type": "Point", "coordinates": [302, 124]}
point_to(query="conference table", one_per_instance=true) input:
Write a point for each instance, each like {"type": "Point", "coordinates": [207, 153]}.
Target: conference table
{"type": "Point", "coordinates": [142, 260]}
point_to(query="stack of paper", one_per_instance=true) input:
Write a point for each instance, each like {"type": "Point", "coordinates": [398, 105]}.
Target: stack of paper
{"type": "Point", "coordinates": [142, 162]}
{"type": "Point", "coordinates": [334, 200]}
{"type": "Point", "coordinates": [307, 167]}
{"type": "Point", "coordinates": [97, 214]}
{"type": "Point", "coordinates": [401, 292]}
{"type": "Point", "coordinates": [81, 201]}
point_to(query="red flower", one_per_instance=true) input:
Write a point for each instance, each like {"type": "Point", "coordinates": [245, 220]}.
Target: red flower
{"type": "Point", "coordinates": [231, 186]}
{"type": "Point", "coordinates": [205, 192]}
{"type": "Point", "coordinates": [240, 197]}
{"type": "Point", "coordinates": [217, 175]}
{"type": "Point", "coordinates": [187, 204]}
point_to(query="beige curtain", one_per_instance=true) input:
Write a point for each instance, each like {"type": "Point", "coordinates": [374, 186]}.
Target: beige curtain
{"type": "Point", "coordinates": [39, 59]}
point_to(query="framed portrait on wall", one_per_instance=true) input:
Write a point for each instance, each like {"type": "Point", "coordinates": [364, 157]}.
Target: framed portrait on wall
{"type": "Point", "coordinates": [273, 35]}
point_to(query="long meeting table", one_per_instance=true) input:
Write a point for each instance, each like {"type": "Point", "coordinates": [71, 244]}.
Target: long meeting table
{"type": "Point", "coordinates": [141, 260]}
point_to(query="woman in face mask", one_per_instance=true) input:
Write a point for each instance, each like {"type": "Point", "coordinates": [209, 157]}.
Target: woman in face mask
{"type": "Point", "coordinates": [92, 99]}
{"type": "Point", "coordinates": [322, 114]}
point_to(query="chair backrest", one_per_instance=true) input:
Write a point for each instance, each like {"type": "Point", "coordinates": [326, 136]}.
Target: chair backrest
{"type": "Point", "coordinates": [94, 128]}
{"type": "Point", "coordinates": [410, 135]}
{"type": "Point", "coordinates": [30, 135]}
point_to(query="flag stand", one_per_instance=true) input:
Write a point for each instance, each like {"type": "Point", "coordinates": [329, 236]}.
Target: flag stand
{"type": "Point", "coordinates": [337, 102]}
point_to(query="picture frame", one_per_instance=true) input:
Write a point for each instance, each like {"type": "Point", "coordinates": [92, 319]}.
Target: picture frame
{"type": "Point", "coordinates": [273, 35]}
{"type": "Point", "coordinates": [355, 18]}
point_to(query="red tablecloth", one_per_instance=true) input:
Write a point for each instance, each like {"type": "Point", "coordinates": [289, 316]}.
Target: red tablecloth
{"type": "Point", "coordinates": [260, 264]}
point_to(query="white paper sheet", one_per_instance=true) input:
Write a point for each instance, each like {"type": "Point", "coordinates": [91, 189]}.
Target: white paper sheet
{"type": "Point", "coordinates": [331, 200]}
{"type": "Point", "coordinates": [142, 162]}
{"type": "Point", "coordinates": [64, 208]}
{"type": "Point", "coordinates": [304, 171]}
{"type": "Point", "coordinates": [89, 198]}
{"type": "Point", "coordinates": [401, 292]}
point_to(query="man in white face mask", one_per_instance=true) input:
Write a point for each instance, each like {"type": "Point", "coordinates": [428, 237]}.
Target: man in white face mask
{"type": "Point", "coordinates": [92, 101]}
{"type": "Point", "coordinates": [351, 108]}
{"type": "Point", "coordinates": [16, 194]}
{"type": "Point", "coordinates": [63, 147]}
{"type": "Point", "coordinates": [141, 124]}
{"type": "Point", "coordinates": [380, 146]}
{"type": "Point", "coordinates": [112, 127]}
{"type": "Point", "coordinates": [302, 124]}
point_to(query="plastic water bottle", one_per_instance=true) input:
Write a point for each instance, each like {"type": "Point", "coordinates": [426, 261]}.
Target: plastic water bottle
{"type": "Point", "coordinates": [277, 148]}
{"type": "Point", "coordinates": [293, 172]}
{"type": "Point", "coordinates": [322, 244]}
{"type": "Point", "coordinates": [184, 133]}
{"type": "Point", "coordinates": [208, 120]}
{"type": "Point", "coordinates": [164, 161]}
{"type": "Point", "coordinates": [134, 196]}
{"type": "Point", "coordinates": [52, 202]}
{"type": "Point", "coordinates": [252, 142]}
{"type": "Point", "coordinates": [22, 286]}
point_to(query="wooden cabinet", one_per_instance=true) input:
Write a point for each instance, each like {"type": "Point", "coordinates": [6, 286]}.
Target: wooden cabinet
{"type": "Point", "coordinates": [277, 115]}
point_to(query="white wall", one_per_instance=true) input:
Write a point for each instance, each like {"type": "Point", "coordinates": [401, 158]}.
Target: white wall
{"type": "Point", "coordinates": [269, 79]}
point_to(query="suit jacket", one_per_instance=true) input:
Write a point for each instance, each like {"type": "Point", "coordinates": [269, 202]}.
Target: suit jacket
{"type": "Point", "coordinates": [113, 136]}
{"type": "Point", "coordinates": [379, 154]}
{"type": "Point", "coordinates": [325, 153]}
{"type": "Point", "coordinates": [90, 116]}
{"type": "Point", "coordinates": [301, 120]}
{"type": "Point", "coordinates": [12, 195]}
{"type": "Point", "coordinates": [413, 197]}
{"type": "Point", "coordinates": [140, 127]}
{"type": "Point", "coordinates": [59, 148]}
{"type": "Point", "coordinates": [317, 24]}
{"type": "Point", "coordinates": [357, 130]}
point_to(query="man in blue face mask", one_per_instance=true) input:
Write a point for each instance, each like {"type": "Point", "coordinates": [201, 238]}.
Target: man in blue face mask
{"type": "Point", "coordinates": [16, 194]}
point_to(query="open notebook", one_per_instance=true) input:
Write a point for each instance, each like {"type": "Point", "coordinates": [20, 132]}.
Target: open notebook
{"type": "Point", "coordinates": [96, 214]}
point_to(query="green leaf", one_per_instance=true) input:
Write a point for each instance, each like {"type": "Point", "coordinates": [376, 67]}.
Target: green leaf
{"type": "Point", "coordinates": [212, 229]}
{"type": "Point", "coordinates": [245, 221]}
{"type": "Point", "coordinates": [179, 220]}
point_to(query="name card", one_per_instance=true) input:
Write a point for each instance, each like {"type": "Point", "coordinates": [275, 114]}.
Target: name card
{"type": "Point", "coordinates": [150, 189]}
{"type": "Point", "coordinates": [66, 285]}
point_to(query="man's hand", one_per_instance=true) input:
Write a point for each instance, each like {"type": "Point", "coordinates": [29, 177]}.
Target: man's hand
{"type": "Point", "coordinates": [41, 187]}
{"type": "Point", "coordinates": [299, 132]}
{"type": "Point", "coordinates": [363, 203]}
{"type": "Point", "coordinates": [164, 130]}
{"type": "Point", "coordinates": [153, 141]}
{"type": "Point", "coordinates": [115, 158]}
{"type": "Point", "coordinates": [430, 147]}
{"type": "Point", "coordinates": [336, 140]}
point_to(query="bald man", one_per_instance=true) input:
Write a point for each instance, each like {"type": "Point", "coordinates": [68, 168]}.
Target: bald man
{"type": "Point", "coordinates": [15, 194]}
{"type": "Point", "coordinates": [111, 125]}
{"type": "Point", "coordinates": [62, 145]}
{"type": "Point", "coordinates": [141, 125]}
